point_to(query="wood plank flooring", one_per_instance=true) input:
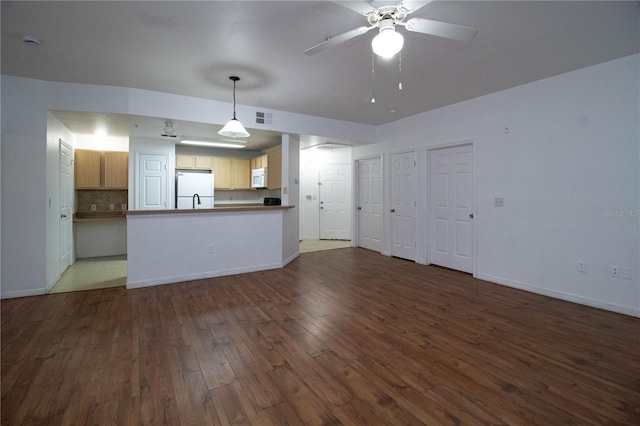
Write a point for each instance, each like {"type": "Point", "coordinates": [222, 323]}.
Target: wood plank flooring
{"type": "Point", "coordinates": [338, 337]}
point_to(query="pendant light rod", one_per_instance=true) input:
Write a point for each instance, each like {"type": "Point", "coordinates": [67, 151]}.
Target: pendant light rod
{"type": "Point", "coordinates": [234, 79]}
{"type": "Point", "coordinates": [234, 129]}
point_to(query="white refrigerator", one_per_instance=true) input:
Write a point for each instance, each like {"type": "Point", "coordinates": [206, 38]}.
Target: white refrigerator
{"type": "Point", "coordinates": [194, 189]}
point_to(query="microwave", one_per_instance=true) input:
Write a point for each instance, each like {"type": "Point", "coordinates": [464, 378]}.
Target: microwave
{"type": "Point", "coordinates": [259, 178]}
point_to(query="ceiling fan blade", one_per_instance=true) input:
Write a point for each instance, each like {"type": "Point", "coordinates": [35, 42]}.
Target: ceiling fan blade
{"type": "Point", "coordinates": [441, 29]}
{"type": "Point", "coordinates": [413, 5]}
{"type": "Point", "coordinates": [333, 41]}
{"type": "Point", "coordinates": [357, 6]}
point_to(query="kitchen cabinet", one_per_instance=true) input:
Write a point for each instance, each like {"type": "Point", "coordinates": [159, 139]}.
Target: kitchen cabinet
{"type": "Point", "coordinates": [240, 173]}
{"type": "Point", "coordinates": [116, 170]}
{"type": "Point", "coordinates": [274, 170]}
{"type": "Point", "coordinates": [259, 162]}
{"type": "Point", "coordinates": [87, 168]}
{"type": "Point", "coordinates": [101, 170]}
{"type": "Point", "coordinates": [199, 162]}
{"type": "Point", "coordinates": [231, 173]}
{"type": "Point", "coordinates": [221, 167]}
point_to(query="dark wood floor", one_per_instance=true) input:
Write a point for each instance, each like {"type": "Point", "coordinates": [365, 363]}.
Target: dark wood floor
{"type": "Point", "coordinates": [337, 337]}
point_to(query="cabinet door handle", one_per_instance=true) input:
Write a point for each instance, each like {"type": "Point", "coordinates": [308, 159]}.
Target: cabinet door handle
{"type": "Point", "coordinates": [359, 208]}
{"type": "Point", "coordinates": [471, 216]}
{"type": "Point", "coordinates": [63, 215]}
{"type": "Point", "coordinates": [393, 210]}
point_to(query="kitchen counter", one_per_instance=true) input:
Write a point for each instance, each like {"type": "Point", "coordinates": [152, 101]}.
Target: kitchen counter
{"type": "Point", "coordinates": [228, 208]}
{"type": "Point", "coordinates": [93, 216]}
{"type": "Point", "coordinates": [169, 246]}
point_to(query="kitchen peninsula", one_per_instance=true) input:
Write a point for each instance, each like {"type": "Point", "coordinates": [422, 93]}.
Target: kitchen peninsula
{"type": "Point", "coordinates": [168, 246]}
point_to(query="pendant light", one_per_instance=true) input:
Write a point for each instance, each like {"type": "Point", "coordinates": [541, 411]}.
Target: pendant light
{"type": "Point", "coordinates": [234, 129]}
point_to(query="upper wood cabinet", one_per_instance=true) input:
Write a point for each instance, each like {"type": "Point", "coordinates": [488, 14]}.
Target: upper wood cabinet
{"type": "Point", "coordinates": [116, 170]}
{"type": "Point", "coordinates": [200, 162]}
{"type": "Point", "coordinates": [87, 168]}
{"type": "Point", "coordinates": [259, 162]}
{"type": "Point", "coordinates": [221, 168]}
{"type": "Point", "coordinates": [240, 173]}
{"type": "Point", "coordinates": [274, 170]}
{"type": "Point", "coordinates": [231, 173]}
{"type": "Point", "coordinates": [96, 169]}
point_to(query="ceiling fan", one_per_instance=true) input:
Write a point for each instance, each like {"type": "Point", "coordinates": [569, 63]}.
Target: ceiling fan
{"type": "Point", "coordinates": [389, 42]}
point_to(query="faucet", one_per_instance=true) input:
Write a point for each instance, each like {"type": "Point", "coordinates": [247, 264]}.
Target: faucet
{"type": "Point", "coordinates": [194, 200]}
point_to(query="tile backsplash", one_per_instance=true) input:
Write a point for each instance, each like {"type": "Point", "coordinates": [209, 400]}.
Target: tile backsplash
{"type": "Point", "coordinates": [102, 200]}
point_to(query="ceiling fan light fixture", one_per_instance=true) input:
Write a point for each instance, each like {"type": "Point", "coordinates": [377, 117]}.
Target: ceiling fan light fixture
{"type": "Point", "coordinates": [388, 42]}
{"type": "Point", "coordinates": [234, 129]}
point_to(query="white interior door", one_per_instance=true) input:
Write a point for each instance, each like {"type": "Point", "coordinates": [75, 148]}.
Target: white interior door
{"type": "Point", "coordinates": [65, 201]}
{"type": "Point", "coordinates": [451, 207]}
{"type": "Point", "coordinates": [403, 205]}
{"type": "Point", "coordinates": [152, 182]}
{"type": "Point", "coordinates": [335, 196]}
{"type": "Point", "coordinates": [370, 204]}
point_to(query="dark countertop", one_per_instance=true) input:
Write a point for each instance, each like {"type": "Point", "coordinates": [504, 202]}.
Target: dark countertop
{"type": "Point", "coordinates": [217, 209]}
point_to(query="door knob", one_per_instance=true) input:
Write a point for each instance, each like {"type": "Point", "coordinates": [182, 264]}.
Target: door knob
{"type": "Point", "coordinates": [471, 216]}
{"type": "Point", "coordinates": [393, 210]}
{"type": "Point", "coordinates": [63, 215]}
{"type": "Point", "coordinates": [359, 208]}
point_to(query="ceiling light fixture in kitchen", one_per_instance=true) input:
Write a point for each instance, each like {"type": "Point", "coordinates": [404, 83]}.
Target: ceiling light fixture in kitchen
{"type": "Point", "coordinates": [215, 144]}
{"type": "Point", "coordinates": [234, 129]}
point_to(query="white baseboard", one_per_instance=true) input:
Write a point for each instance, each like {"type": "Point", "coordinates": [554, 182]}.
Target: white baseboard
{"type": "Point", "coordinates": [22, 293]}
{"type": "Point", "coordinates": [626, 310]}
{"type": "Point", "coordinates": [199, 276]}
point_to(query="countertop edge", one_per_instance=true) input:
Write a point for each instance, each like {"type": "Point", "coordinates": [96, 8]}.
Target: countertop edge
{"type": "Point", "coordinates": [213, 210]}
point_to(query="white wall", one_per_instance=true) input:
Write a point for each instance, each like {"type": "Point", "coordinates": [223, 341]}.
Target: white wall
{"type": "Point", "coordinates": [568, 171]}
{"type": "Point", "coordinates": [310, 162]}
{"type": "Point", "coordinates": [24, 207]}
{"type": "Point", "coordinates": [97, 238]}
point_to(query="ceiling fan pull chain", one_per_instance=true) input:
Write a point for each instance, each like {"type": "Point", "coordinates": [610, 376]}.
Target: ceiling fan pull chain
{"type": "Point", "coordinates": [373, 74]}
{"type": "Point", "coordinates": [400, 71]}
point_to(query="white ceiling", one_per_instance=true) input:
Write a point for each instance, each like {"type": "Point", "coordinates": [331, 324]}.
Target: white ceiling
{"type": "Point", "coordinates": [191, 48]}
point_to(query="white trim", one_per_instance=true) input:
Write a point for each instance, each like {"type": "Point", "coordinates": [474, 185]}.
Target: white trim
{"type": "Point", "coordinates": [201, 276]}
{"type": "Point", "coordinates": [23, 293]}
{"type": "Point", "coordinates": [626, 310]}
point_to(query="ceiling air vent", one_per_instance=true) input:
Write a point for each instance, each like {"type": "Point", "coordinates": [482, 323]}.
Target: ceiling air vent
{"type": "Point", "coordinates": [265, 118]}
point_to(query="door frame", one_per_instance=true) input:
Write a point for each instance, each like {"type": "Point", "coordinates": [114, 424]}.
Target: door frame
{"type": "Point", "coordinates": [71, 189]}
{"type": "Point", "coordinates": [355, 198]}
{"type": "Point", "coordinates": [474, 233]}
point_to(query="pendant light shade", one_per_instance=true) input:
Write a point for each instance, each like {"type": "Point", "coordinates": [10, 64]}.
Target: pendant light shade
{"type": "Point", "coordinates": [234, 129]}
{"type": "Point", "coordinates": [388, 42]}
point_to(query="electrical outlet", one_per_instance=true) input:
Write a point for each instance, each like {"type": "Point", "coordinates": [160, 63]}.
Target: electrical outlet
{"type": "Point", "coordinates": [626, 273]}
{"type": "Point", "coordinates": [211, 249]}
{"type": "Point", "coordinates": [498, 202]}
{"type": "Point", "coordinates": [582, 266]}
{"type": "Point", "coordinates": [93, 207]}
{"type": "Point", "coordinates": [614, 271]}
